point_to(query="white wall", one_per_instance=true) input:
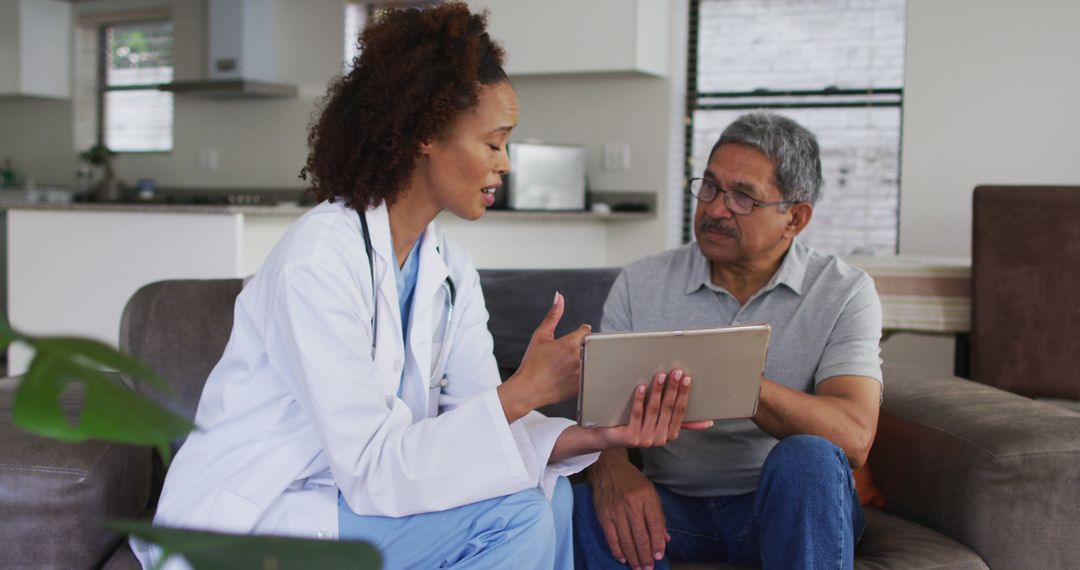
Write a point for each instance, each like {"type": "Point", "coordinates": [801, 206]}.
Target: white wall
{"type": "Point", "coordinates": [9, 46]}
{"type": "Point", "coordinates": [991, 97]}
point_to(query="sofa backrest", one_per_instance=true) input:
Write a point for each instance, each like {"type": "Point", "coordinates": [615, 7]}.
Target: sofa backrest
{"type": "Point", "coordinates": [1025, 301]}
{"type": "Point", "coordinates": [518, 299]}
{"type": "Point", "coordinates": [179, 328]}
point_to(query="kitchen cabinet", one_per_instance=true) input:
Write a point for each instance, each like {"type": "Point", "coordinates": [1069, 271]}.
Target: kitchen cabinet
{"type": "Point", "coordinates": [35, 48]}
{"type": "Point", "coordinates": [570, 36]}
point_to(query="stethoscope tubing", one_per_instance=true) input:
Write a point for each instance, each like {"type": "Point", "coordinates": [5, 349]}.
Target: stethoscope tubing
{"type": "Point", "coordinates": [451, 293]}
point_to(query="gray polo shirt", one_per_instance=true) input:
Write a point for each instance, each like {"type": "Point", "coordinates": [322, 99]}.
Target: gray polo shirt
{"type": "Point", "coordinates": [826, 321]}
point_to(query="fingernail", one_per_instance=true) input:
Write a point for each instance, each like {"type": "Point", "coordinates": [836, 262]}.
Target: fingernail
{"type": "Point", "coordinates": [556, 298]}
{"type": "Point", "coordinates": [677, 375]}
{"type": "Point", "coordinates": [658, 556]}
{"type": "Point", "coordinates": [641, 389]}
{"type": "Point", "coordinates": [622, 561]}
{"type": "Point", "coordinates": [661, 379]}
{"type": "Point", "coordinates": [686, 381]}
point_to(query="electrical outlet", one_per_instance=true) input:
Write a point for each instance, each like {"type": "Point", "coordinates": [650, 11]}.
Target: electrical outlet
{"type": "Point", "coordinates": [616, 156]}
{"type": "Point", "coordinates": [208, 159]}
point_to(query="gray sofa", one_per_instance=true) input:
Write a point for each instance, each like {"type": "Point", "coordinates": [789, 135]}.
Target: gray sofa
{"type": "Point", "coordinates": [973, 476]}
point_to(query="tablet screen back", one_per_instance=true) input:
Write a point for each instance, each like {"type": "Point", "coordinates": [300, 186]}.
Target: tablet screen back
{"type": "Point", "coordinates": [726, 365]}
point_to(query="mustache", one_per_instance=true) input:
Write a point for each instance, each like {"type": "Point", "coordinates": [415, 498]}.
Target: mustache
{"type": "Point", "coordinates": [708, 224]}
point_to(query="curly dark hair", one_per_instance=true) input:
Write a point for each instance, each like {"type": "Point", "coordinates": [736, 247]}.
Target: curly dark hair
{"type": "Point", "coordinates": [418, 70]}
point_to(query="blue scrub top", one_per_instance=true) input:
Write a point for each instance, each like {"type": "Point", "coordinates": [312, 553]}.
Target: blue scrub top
{"type": "Point", "coordinates": [405, 277]}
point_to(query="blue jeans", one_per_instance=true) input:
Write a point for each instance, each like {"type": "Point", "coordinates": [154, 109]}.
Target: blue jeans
{"type": "Point", "coordinates": [522, 530]}
{"type": "Point", "coordinates": [805, 514]}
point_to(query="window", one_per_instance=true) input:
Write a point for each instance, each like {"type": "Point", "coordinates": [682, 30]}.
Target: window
{"type": "Point", "coordinates": [134, 58]}
{"type": "Point", "coordinates": [357, 14]}
{"type": "Point", "coordinates": [836, 67]}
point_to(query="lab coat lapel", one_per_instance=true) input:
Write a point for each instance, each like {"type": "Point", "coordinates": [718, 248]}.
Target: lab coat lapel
{"type": "Point", "coordinates": [428, 308]}
{"type": "Point", "coordinates": [389, 346]}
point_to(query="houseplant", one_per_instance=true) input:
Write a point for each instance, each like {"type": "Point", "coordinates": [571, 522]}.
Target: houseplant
{"type": "Point", "coordinates": [100, 157]}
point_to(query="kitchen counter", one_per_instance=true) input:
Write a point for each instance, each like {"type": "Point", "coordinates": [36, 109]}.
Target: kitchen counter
{"type": "Point", "coordinates": [283, 209]}
{"type": "Point", "coordinates": [294, 210]}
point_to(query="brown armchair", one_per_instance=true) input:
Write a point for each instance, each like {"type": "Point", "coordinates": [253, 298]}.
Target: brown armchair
{"type": "Point", "coordinates": [1026, 290]}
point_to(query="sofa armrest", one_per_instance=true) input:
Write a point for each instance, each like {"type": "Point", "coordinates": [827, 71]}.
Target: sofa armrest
{"type": "Point", "coordinates": [54, 495]}
{"type": "Point", "coordinates": [996, 471]}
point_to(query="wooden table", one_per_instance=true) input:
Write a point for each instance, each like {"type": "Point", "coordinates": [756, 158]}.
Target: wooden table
{"type": "Point", "coordinates": [926, 295]}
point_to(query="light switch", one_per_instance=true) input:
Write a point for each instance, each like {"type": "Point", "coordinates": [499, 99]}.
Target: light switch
{"type": "Point", "coordinates": [208, 159]}
{"type": "Point", "coordinates": [616, 156]}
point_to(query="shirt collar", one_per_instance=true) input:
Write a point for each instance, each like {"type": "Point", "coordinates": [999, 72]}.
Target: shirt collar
{"type": "Point", "coordinates": [791, 273]}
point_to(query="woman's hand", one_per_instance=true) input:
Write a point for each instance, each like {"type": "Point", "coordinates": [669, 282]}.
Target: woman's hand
{"type": "Point", "coordinates": [655, 420]}
{"type": "Point", "coordinates": [549, 370]}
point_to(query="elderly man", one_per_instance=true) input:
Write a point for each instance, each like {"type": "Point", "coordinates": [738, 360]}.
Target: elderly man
{"type": "Point", "coordinates": [775, 490]}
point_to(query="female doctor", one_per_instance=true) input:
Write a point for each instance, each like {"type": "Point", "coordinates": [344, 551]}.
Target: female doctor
{"type": "Point", "coordinates": [358, 396]}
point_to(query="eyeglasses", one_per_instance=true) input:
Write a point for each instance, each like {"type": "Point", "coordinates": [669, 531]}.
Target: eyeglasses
{"type": "Point", "coordinates": [738, 202]}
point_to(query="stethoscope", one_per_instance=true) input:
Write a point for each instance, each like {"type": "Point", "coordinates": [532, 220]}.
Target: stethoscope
{"type": "Point", "coordinates": [451, 293]}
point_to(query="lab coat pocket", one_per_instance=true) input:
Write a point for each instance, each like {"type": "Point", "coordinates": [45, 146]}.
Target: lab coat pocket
{"type": "Point", "coordinates": [307, 512]}
{"type": "Point", "coordinates": [231, 512]}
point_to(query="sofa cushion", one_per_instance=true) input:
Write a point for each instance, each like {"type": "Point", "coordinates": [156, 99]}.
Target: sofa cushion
{"type": "Point", "coordinates": [179, 329]}
{"type": "Point", "coordinates": [997, 471]}
{"type": "Point", "coordinates": [123, 559]}
{"type": "Point", "coordinates": [54, 495]}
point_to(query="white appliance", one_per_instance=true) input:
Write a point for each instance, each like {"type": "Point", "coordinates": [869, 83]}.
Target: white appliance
{"type": "Point", "coordinates": [546, 177]}
{"type": "Point", "coordinates": [241, 40]}
{"type": "Point", "coordinates": [240, 53]}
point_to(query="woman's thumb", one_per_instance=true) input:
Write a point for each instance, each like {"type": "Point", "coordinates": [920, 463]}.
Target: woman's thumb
{"type": "Point", "coordinates": [551, 320]}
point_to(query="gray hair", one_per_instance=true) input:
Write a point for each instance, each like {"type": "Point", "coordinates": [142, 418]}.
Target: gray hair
{"type": "Point", "coordinates": [792, 149]}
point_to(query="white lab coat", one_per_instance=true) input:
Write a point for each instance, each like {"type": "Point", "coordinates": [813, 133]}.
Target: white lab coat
{"type": "Point", "coordinates": [297, 409]}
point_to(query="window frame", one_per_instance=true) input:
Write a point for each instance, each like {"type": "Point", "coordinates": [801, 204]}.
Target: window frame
{"type": "Point", "coordinates": [827, 98]}
{"type": "Point", "coordinates": [103, 87]}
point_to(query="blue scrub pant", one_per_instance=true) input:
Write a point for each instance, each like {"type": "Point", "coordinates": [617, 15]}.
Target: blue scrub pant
{"type": "Point", "coordinates": [522, 530]}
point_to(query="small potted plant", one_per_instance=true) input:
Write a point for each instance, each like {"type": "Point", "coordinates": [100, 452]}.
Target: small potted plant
{"type": "Point", "coordinates": [99, 156]}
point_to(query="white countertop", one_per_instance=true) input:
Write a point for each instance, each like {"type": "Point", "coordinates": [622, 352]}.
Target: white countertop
{"type": "Point", "coordinates": [284, 209]}
{"type": "Point", "coordinates": [290, 209]}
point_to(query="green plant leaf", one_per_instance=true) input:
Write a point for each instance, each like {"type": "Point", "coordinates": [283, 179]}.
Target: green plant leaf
{"type": "Point", "coordinates": [212, 550]}
{"type": "Point", "coordinates": [111, 411]}
{"type": "Point", "coordinates": [96, 352]}
{"type": "Point", "coordinates": [7, 336]}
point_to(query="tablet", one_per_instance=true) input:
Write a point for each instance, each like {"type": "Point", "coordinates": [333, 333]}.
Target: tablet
{"type": "Point", "coordinates": [726, 365]}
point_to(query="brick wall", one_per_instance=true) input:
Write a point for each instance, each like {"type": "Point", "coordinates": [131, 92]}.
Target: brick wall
{"type": "Point", "coordinates": [746, 45]}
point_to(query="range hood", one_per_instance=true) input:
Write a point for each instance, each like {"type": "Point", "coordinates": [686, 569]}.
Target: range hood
{"type": "Point", "coordinates": [240, 53]}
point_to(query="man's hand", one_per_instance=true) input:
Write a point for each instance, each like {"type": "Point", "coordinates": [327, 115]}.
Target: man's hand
{"type": "Point", "coordinates": [628, 509]}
